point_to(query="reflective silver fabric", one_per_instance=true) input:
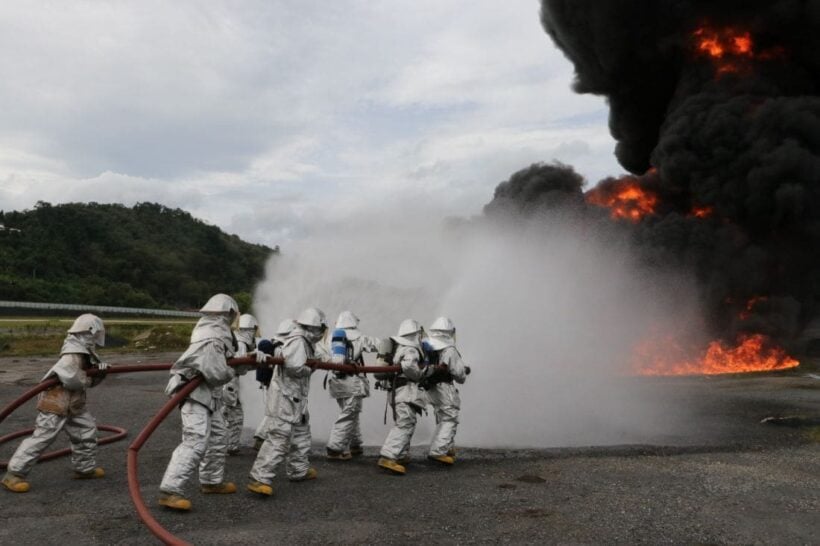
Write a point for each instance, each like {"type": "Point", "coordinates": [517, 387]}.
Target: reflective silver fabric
{"type": "Point", "coordinates": [397, 444]}
{"type": "Point", "coordinates": [349, 392]}
{"type": "Point", "coordinates": [211, 345]}
{"type": "Point", "coordinates": [82, 432]}
{"type": "Point", "coordinates": [408, 397]}
{"type": "Point", "coordinates": [288, 433]}
{"type": "Point", "coordinates": [69, 368]}
{"type": "Point", "coordinates": [232, 403]}
{"type": "Point", "coordinates": [234, 420]}
{"type": "Point", "coordinates": [446, 403]}
{"type": "Point", "coordinates": [203, 447]}
{"type": "Point", "coordinates": [346, 432]}
{"type": "Point", "coordinates": [353, 385]}
{"type": "Point", "coordinates": [262, 429]}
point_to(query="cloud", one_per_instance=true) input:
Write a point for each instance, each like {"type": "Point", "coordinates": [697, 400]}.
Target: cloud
{"type": "Point", "coordinates": [304, 109]}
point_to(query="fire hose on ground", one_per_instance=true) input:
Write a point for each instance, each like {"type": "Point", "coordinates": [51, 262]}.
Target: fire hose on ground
{"type": "Point", "coordinates": [132, 462]}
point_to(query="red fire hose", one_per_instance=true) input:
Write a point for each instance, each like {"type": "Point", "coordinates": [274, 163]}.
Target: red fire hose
{"type": "Point", "coordinates": [132, 464]}
{"type": "Point", "coordinates": [120, 433]}
{"type": "Point", "coordinates": [132, 461]}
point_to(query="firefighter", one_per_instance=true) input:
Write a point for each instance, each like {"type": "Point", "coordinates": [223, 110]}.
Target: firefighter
{"type": "Point", "coordinates": [408, 399]}
{"type": "Point", "coordinates": [288, 436]}
{"type": "Point", "coordinates": [264, 375]}
{"type": "Point", "coordinates": [349, 390]}
{"type": "Point", "coordinates": [246, 336]}
{"type": "Point", "coordinates": [62, 407]}
{"type": "Point", "coordinates": [204, 434]}
{"type": "Point", "coordinates": [442, 393]}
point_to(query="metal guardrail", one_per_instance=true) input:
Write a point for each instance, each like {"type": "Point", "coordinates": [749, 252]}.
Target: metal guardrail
{"type": "Point", "coordinates": [97, 309]}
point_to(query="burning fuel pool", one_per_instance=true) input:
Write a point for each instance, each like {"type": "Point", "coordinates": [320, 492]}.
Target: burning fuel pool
{"type": "Point", "coordinates": [727, 478]}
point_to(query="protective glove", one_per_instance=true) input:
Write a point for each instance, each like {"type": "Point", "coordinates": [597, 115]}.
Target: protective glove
{"type": "Point", "coordinates": [261, 357]}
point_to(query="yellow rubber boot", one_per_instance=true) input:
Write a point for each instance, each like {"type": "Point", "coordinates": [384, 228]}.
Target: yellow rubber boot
{"type": "Point", "coordinates": [96, 473]}
{"type": "Point", "coordinates": [175, 502]}
{"type": "Point", "coordinates": [311, 474]}
{"type": "Point", "coordinates": [224, 488]}
{"type": "Point", "coordinates": [443, 459]}
{"type": "Point", "coordinates": [391, 465]}
{"type": "Point", "coordinates": [260, 488]}
{"type": "Point", "coordinates": [15, 483]}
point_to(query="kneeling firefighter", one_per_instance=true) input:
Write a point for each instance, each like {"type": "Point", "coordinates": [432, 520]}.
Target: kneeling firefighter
{"type": "Point", "coordinates": [264, 375]}
{"type": "Point", "coordinates": [62, 407]}
{"type": "Point", "coordinates": [349, 390]}
{"type": "Point", "coordinates": [408, 399]}
{"type": "Point", "coordinates": [204, 434]}
{"type": "Point", "coordinates": [246, 336]}
{"type": "Point", "coordinates": [288, 436]}
{"type": "Point", "coordinates": [441, 391]}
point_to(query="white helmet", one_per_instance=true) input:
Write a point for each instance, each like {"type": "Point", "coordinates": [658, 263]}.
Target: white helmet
{"type": "Point", "coordinates": [221, 303]}
{"type": "Point", "coordinates": [443, 324]}
{"type": "Point", "coordinates": [285, 327]}
{"type": "Point", "coordinates": [248, 322]}
{"type": "Point", "coordinates": [312, 317]}
{"type": "Point", "coordinates": [347, 320]}
{"type": "Point", "coordinates": [408, 327]}
{"type": "Point", "coordinates": [91, 324]}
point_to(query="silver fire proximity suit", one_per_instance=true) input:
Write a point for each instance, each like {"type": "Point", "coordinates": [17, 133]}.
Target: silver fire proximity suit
{"type": "Point", "coordinates": [349, 391]}
{"type": "Point", "coordinates": [444, 396]}
{"type": "Point", "coordinates": [62, 407]}
{"type": "Point", "coordinates": [261, 431]}
{"type": "Point", "coordinates": [409, 399]}
{"type": "Point", "coordinates": [204, 434]}
{"type": "Point", "coordinates": [232, 405]}
{"type": "Point", "coordinates": [288, 432]}
{"type": "Point", "coordinates": [282, 331]}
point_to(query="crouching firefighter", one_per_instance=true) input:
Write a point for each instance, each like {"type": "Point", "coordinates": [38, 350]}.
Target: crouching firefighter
{"type": "Point", "coordinates": [62, 407]}
{"type": "Point", "coordinates": [264, 374]}
{"type": "Point", "coordinates": [442, 393]}
{"type": "Point", "coordinates": [204, 434]}
{"type": "Point", "coordinates": [231, 403]}
{"type": "Point", "coordinates": [407, 399]}
{"type": "Point", "coordinates": [349, 390]}
{"type": "Point", "coordinates": [288, 435]}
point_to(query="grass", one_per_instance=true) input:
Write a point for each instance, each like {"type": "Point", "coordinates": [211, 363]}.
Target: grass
{"type": "Point", "coordinates": [36, 336]}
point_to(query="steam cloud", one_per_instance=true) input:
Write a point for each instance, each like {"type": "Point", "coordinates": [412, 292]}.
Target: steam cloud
{"type": "Point", "coordinates": [547, 316]}
{"type": "Point", "coordinates": [737, 135]}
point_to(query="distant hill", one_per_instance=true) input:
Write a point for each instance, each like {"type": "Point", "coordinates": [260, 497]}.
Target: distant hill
{"type": "Point", "coordinates": [144, 256]}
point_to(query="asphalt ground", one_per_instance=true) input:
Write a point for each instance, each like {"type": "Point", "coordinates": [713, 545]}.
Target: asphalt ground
{"type": "Point", "coordinates": [732, 480]}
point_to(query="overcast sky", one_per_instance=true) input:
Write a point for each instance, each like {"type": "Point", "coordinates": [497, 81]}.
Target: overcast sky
{"type": "Point", "coordinates": [263, 116]}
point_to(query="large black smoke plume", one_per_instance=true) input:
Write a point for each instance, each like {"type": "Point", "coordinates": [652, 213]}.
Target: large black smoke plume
{"type": "Point", "coordinates": [715, 109]}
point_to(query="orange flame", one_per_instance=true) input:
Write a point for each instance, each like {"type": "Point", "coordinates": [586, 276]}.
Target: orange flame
{"type": "Point", "coordinates": [724, 46]}
{"type": "Point", "coordinates": [701, 212]}
{"type": "Point", "coordinates": [747, 312]}
{"type": "Point", "coordinates": [742, 44]}
{"type": "Point", "coordinates": [752, 353]}
{"type": "Point", "coordinates": [625, 198]}
{"type": "Point", "coordinates": [729, 48]}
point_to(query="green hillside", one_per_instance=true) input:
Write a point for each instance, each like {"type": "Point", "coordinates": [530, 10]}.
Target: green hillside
{"type": "Point", "coordinates": [144, 256]}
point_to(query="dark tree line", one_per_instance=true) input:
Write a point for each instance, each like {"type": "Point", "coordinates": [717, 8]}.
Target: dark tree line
{"type": "Point", "coordinates": [144, 256]}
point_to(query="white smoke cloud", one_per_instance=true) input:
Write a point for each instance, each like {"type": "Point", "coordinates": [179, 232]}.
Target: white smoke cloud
{"type": "Point", "coordinates": [547, 318]}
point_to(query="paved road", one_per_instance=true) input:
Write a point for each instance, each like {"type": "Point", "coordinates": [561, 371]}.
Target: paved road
{"type": "Point", "coordinates": [733, 481]}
